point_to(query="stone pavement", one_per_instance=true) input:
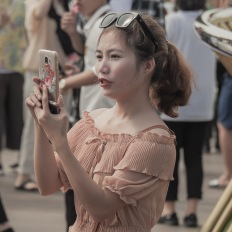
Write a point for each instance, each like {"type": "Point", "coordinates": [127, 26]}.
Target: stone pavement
{"type": "Point", "coordinates": [30, 212]}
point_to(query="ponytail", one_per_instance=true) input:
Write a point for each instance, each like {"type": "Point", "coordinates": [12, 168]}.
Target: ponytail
{"type": "Point", "coordinates": [171, 82]}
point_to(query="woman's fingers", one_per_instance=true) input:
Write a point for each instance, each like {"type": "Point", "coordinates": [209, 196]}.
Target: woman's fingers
{"type": "Point", "coordinates": [60, 101]}
{"type": "Point", "coordinates": [33, 98]}
{"type": "Point", "coordinates": [37, 88]}
{"type": "Point", "coordinates": [68, 22]}
{"type": "Point", "coordinates": [45, 99]}
{"type": "Point", "coordinates": [29, 102]}
{"type": "Point", "coordinates": [32, 107]}
{"type": "Point", "coordinates": [37, 92]}
{"type": "Point", "coordinates": [36, 80]}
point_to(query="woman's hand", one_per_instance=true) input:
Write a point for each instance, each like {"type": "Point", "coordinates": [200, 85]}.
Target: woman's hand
{"type": "Point", "coordinates": [71, 69]}
{"type": "Point", "coordinates": [69, 23]}
{"type": "Point", "coordinates": [34, 99]}
{"type": "Point", "coordinates": [55, 126]}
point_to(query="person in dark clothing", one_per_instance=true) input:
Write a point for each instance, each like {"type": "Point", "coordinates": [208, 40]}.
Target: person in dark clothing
{"type": "Point", "coordinates": [154, 8]}
{"type": "Point", "coordinates": [193, 119]}
{"type": "Point", "coordinates": [4, 223]}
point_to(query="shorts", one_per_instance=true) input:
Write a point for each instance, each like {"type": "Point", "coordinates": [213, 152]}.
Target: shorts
{"type": "Point", "coordinates": [225, 103]}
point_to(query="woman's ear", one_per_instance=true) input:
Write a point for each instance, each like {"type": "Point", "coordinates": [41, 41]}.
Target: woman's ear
{"type": "Point", "coordinates": [149, 66]}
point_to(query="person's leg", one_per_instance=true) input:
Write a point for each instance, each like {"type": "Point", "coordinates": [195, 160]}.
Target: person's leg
{"type": "Point", "coordinates": [3, 83]}
{"type": "Point", "coordinates": [169, 216]}
{"type": "Point", "coordinates": [207, 137]}
{"type": "Point", "coordinates": [225, 132]}
{"type": "Point", "coordinates": [169, 206]}
{"type": "Point", "coordinates": [4, 223]}
{"type": "Point", "coordinates": [11, 122]}
{"type": "Point", "coordinates": [169, 212]}
{"type": "Point", "coordinates": [14, 113]}
{"type": "Point", "coordinates": [70, 208]}
{"type": "Point", "coordinates": [225, 139]}
{"type": "Point", "coordinates": [3, 217]}
{"type": "Point", "coordinates": [193, 147]}
{"type": "Point", "coordinates": [26, 163]}
{"type": "Point", "coordinates": [3, 94]}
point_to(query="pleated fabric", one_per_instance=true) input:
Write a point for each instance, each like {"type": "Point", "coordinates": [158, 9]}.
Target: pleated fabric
{"type": "Point", "coordinates": [138, 168]}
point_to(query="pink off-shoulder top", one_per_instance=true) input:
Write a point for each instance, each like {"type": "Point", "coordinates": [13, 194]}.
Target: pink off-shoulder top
{"type": "Point", "coordinates": [137, 168]}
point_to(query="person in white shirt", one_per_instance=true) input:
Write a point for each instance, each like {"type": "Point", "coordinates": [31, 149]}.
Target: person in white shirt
{"type": "Point", "coordinates": [121, 5]}
{"type": "Point", "coordinates": [193, 118]}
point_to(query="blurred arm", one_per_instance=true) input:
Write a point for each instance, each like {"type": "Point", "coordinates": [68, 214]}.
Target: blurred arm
{"type": "Point", "coordinates": [42, 8]}
{"type": "Point", "coordinates": [46, 170]}
{"type": "Point", "coordinates": [69, 24]}
{"type": "Point", "coordinates": [84, 78]}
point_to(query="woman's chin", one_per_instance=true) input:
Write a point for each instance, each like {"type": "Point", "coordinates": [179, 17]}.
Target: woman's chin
{"type": "Point", "coordinates": [108, 94]}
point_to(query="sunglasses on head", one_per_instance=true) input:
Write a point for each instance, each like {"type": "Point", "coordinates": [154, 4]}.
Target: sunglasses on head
{"type": "Point", "coordinates": [124, 20]}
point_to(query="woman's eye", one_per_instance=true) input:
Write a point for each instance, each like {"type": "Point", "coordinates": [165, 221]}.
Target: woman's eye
{"type": "Point", "coordinates": [114, 56]}
{"type": "Point", "coordinates": [99, 57]}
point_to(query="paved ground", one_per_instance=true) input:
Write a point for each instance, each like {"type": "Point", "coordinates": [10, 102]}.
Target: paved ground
{"type": "Point", "coordinates": [30, 212]}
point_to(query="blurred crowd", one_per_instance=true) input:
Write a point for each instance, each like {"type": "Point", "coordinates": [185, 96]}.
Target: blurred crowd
{"type": "Point", "coordinates": [69, 27]}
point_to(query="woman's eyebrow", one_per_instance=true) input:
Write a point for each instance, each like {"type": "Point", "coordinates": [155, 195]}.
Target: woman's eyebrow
{"type": "Point", "coordinates": [111, 50]}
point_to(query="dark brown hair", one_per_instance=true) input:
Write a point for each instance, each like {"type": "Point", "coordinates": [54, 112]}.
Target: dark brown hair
{"type": "Point", "coordinates": [171, 79]}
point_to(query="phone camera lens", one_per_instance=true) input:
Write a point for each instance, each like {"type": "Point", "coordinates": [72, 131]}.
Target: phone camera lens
{"type": "Point", "coordinates": [46, 60]}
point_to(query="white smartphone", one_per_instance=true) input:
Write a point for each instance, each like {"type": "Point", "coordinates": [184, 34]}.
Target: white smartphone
{"type": "Point", "coordinates": [49, 75]}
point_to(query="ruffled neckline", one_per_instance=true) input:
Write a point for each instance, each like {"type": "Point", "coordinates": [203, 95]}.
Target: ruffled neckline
{"type": "Point", "coordinates": [124, 137]}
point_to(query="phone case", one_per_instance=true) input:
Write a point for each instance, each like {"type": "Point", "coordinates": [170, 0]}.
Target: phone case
{"type": "Point", "coordinates": [49, 72]}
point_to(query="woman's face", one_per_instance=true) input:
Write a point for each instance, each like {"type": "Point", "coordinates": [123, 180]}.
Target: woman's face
{"type": "Point", "coordinates": [86, 7]}
{"type": "Point", "coordinates": [116, 67]}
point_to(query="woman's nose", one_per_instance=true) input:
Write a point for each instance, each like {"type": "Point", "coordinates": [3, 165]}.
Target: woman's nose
{"type": "Point", "coordinates": [103, 66]}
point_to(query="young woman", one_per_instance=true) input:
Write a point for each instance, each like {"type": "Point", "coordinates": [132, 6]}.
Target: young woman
{"type": "Point", "coordinates": [118, 161]}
